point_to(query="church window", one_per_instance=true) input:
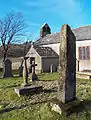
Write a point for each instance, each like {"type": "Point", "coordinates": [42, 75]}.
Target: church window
{"type": "Point", "coordinates": [84, 53]}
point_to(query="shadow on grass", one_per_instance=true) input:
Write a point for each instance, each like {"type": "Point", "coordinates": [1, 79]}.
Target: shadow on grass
{"type": "Point", "coordinates": [10, 109]}
{"type": "Point", "coordinates": [14, 76]}
{"type": "Point", "coordinates": [12, 86]}
{"type": "Point", "coordinates": [83, 106]}
{"type": "Point", "coordinates": [49, 90]}
{"type": "Point", "coordinates": [47, 80]}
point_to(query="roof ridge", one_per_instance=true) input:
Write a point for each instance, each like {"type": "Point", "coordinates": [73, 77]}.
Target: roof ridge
{"type": "Point", "coordinates": [82, 27]}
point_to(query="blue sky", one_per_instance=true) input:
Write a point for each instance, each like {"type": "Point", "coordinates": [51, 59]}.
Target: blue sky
{"type": "Point", "coordinates": [76, 13]}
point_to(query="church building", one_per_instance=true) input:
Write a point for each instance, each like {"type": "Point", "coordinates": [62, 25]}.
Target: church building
{"type": "Point", "coordinates": [45, 51]}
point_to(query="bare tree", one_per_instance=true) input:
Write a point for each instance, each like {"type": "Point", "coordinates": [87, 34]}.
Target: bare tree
{"type": "Point", "coordinates": [11, 29]}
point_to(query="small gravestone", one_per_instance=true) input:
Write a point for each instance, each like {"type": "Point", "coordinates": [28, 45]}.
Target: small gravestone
{"type": "Point", "coordinates": [7, 69]}
{"type": "Point", "coordinates": [51, 68]}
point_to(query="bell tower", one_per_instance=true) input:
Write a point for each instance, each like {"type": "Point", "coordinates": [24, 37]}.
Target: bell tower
{"type": "Point", "coordinates": [44, 30]}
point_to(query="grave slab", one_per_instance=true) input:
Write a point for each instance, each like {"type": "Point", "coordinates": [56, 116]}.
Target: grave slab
{"type": "Point", "coordinates": [28, 90]}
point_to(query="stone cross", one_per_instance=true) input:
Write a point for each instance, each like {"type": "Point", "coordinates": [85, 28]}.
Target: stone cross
{"type": "Point", "coordinates": [34, 76]}
{"type": "Point", "coordinates": [25, 72]}
{"type": "Point", "coordinates": [33, 67]}
{"type": "Point", "coordinates": [67, 61]}
{"type": "Point", "coordinates": [7, 68]}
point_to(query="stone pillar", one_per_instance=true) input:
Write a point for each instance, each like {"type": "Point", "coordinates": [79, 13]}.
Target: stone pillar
{"type": "Point", "coordinates": [25, 72]}
{"type": "Point", "coordinates": [67, 61]}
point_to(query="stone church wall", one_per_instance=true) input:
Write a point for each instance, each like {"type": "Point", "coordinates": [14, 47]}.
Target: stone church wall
{"type": "Point", "coordinates": [47, 62]}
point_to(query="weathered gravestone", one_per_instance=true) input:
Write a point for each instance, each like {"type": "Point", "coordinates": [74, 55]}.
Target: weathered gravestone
{"type": "Point", "coordinates": [7, 68]}
{"type": "Point", "coordinates": [67, 61]}
{"type": "Point", "coordinates": [67, 69]}
{"type": "Point", "coordinates": [20, 71]}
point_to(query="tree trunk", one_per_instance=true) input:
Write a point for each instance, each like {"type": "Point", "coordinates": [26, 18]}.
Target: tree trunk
{"type": "Point", "coordinates": [4, 57]}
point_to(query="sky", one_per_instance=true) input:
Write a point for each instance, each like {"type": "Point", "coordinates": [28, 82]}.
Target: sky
{"type": "Point", "coordinates": [75, 13]}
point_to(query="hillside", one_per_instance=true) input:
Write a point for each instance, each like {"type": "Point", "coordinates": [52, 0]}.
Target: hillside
{"type": "Point", "coordinates": [16, 50]}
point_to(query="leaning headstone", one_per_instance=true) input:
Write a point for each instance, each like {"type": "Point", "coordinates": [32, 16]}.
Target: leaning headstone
{"type": "Point", "coordinates": [7, 69]}
{"type": "Point", "coordinates": [20, 71]}
{"type": "Point", "coordinates": [67, 61]}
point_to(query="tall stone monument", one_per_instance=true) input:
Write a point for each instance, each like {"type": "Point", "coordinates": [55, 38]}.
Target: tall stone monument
{"type": "Point", "coordinates": [67, 65]}
{"type": "Point", "coordinates": [7, 70]}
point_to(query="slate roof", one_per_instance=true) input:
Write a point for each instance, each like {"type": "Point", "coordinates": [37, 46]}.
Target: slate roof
{"type": "Point", "coordinates": [81, 33]}
{"type": "Point", "coordinates": [46, 52]}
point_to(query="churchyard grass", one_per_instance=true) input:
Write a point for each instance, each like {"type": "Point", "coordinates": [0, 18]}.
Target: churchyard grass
{"type": "Point", "coordinates": [13, 107]}
{"type": "Point", "coordinates": [49, 76]}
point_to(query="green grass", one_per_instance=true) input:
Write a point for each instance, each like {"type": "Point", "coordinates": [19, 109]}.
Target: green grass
{"type": "Point", "coordinates": [13, 107]}
{"type": "Point", "coordinates": [49, 76]}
